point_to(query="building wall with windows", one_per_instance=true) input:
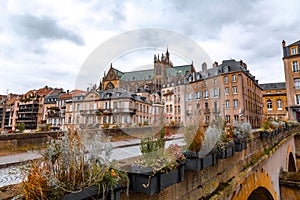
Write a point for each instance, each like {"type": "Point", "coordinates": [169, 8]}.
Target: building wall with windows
{"type": "Point", "coordinates": [275, 102]}
{"type": "Point", "coordinates": [227, 90]}
{"type": "Point", "coordinates": [291, 61]}
{"type": "Point", "coordinates": [243, 95]}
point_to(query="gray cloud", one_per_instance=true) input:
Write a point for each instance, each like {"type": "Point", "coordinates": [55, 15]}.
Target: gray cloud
{"type": "Point", "coordinates": [44, 27]}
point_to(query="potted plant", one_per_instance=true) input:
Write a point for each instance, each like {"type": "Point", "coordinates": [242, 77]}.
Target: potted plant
{"type": "Point", "coordinates": [74, 167]}
{"type": "Point", "coordinates": [157, 168]}
{"type": "Point", "coordinates": [225, 145]}
{"type": "Point", "coordinates": [266, 129]}
{"type": "Point", "coordinates": [241, 133]}
{"type": "Point", "coordinates": [200, 142]}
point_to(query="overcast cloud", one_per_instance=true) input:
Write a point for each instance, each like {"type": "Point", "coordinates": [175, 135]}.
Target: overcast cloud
{"type": "Point", "coordinates": [45, 42]}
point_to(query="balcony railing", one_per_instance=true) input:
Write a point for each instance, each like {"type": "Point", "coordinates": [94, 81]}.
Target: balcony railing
{"type": "Point", "coordinates": [104, 111]}
{"type": "Point", "coordinates": [206, 110]}
{"type": "Point", "coordinates": [89, 112]}
{"type": "Point", "coordinates": [125, 110]}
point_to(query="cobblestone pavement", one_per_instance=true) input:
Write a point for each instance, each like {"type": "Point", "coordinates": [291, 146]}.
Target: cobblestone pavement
{"type": "Point", "coordinates": [13, 175]}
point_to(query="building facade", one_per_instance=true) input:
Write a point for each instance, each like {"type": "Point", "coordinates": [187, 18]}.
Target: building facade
{"type": "Point", "coordinates": [163, 72]}
{"type": "Point", "coordinates": [275, 102]}
{"type": "Point", "coordinates": [291, 60]}
{"type": "Point", "coordinates": [227, 90]}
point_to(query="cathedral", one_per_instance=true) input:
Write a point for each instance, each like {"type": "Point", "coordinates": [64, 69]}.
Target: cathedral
{"type": "Point", "coordinates": [152, 80]}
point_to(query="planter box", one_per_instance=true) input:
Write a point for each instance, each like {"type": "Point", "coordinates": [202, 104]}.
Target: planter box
{"type": "Point", "coordinates": [209, 160]}
{"type": "Point", "coordinates": [227, 152]}
{"type": "Point", "coordinates": [144, 183]}
{"type": "Point", "coordinates": [193, 162]}
{"type": "Point", "coordinates": [264, 134]}
{"type": "Point", "coordinates": [240, 145]}
{"type": "Point", "coordinates": [93, 192]}
{"type": "Point", "coordinates": [168, 179]}
{"type": "Point", "coordinates": [181, 169]}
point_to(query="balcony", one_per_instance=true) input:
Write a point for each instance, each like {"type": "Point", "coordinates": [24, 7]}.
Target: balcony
{"type": "Point", "coordinates": [104, 111]}
{"type": "Point", "coordinates": [125, 110]}
{"type": "Point", "coordinates": [206, 111]}
{"type": "Point", "coordinates": [28, 110]}
{"type": "Point", "coordinates": [89, 112]}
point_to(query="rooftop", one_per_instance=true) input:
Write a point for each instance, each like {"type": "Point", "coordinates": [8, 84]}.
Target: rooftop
{"type": "Point", "coordinates": [273, 86]}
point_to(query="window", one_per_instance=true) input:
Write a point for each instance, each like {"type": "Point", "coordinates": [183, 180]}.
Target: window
{"type": "Point", "coordinates": [227, 91]}
{"type": "Point", "coordinates": [206, 94]}
{"type": "Point", "coordinates": [226, 79]}
{"type": "Point", "coordinates": [198, 95]}
{"type": "Point", "coordinates": [295, 66]}
{"type": "Point", "coordinates": [216, 92]}
{"type": "Point", "coordinates": [216, 106]}
{"type": "Point", "coordinates": [227, 104]}
{"type": "Point", "coordinates": [167, 108]}
{"type": "Point", "coordinates": [70, 108]}
{"type": "Point", "coordinates": [190, 95]}
{"type": "Point", "coordinates": [294, 51]}
{"type": "Point", "coordinates": [171, 108]}
{"type": "Point", "coordinates": [227, 118]}
{"type": "Point", "coordinates": [269, 104]}
{"type": "Point", "coordinates": [214, 82]}
{"type": "Point", "coordinates": [233, 78]}
{"type": "Point", "coordinates": [234, 90]}
{"type": "Point", "coordinates": [235, 103]}
{"type": "Point", "coordinates": [279, 104]}
{"type": "Point", "coordinates": [178, 109]}
{"type": "Point", "coordinates": [207, 119]}
{"type": "Point", "coordinates": [236, 118]}
{"type": "Point", "coordinates": [297, 99]}
{"type": "Point", "coordinates": [297, 83]}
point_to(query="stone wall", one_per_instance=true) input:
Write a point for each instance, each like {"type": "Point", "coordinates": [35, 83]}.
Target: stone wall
{"type": "Point", "coordinates": [297, 145]}
{"type": "Point", "coordinates": [16, 140]}
{"type": "Point", "coordinates": [290, 185]}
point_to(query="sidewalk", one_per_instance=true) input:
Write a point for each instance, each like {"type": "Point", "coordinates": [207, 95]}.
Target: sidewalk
{"type": "Point", "coordinates": [20, 158]}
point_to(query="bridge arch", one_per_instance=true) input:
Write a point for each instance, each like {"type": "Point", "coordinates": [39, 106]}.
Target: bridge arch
{"type": "Point", "coordinates": [260, 193]}
{"type": "Point", "coordinates": [257, 184]}
{"type": "Point", "coordinates": [290, 160]}
{"type": "Point", "coordinates": [291, 163]}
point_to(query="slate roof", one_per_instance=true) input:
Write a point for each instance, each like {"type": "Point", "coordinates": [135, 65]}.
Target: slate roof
{"type": "Point", "coordinates": [138, 75]}
{"type": "Point", "coordinates": [178, 70]}
{"type": "Point", "coordinates": [295, 43]}
{"type": "Point", "coordinates": [273, 86]}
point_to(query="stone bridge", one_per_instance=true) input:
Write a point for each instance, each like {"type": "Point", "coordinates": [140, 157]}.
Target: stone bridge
{"type": "Point", "coordinates": [266, 170]}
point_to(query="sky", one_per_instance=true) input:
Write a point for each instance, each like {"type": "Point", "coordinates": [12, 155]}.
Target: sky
{"type": "Point", "coordinates": [46, 42]}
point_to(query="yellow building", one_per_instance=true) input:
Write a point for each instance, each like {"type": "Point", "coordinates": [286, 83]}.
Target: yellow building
{"type": "Point", "coordinates": [275, 101]}
{"type": "Point", "coordinates": [291, 59]}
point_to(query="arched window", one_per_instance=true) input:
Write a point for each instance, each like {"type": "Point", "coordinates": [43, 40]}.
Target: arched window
{"type": "Point", "coordinates": [279, 104]}
{"type": "Point", "coordinates": [269, 104]}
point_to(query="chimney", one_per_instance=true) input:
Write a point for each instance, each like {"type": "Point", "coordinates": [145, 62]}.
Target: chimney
{"type": "Point", "coordinates": [215, 64]}
{"type": "Point", "coordinates": [283, 43]}
{"type": "Point", "coordinates": [204, 67]}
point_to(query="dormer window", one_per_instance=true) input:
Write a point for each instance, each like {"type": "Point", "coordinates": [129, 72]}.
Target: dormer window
{"type": "Point", "coordinates": [226, 69]}
{"type": "Point", "coordinates": [294, 51]}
